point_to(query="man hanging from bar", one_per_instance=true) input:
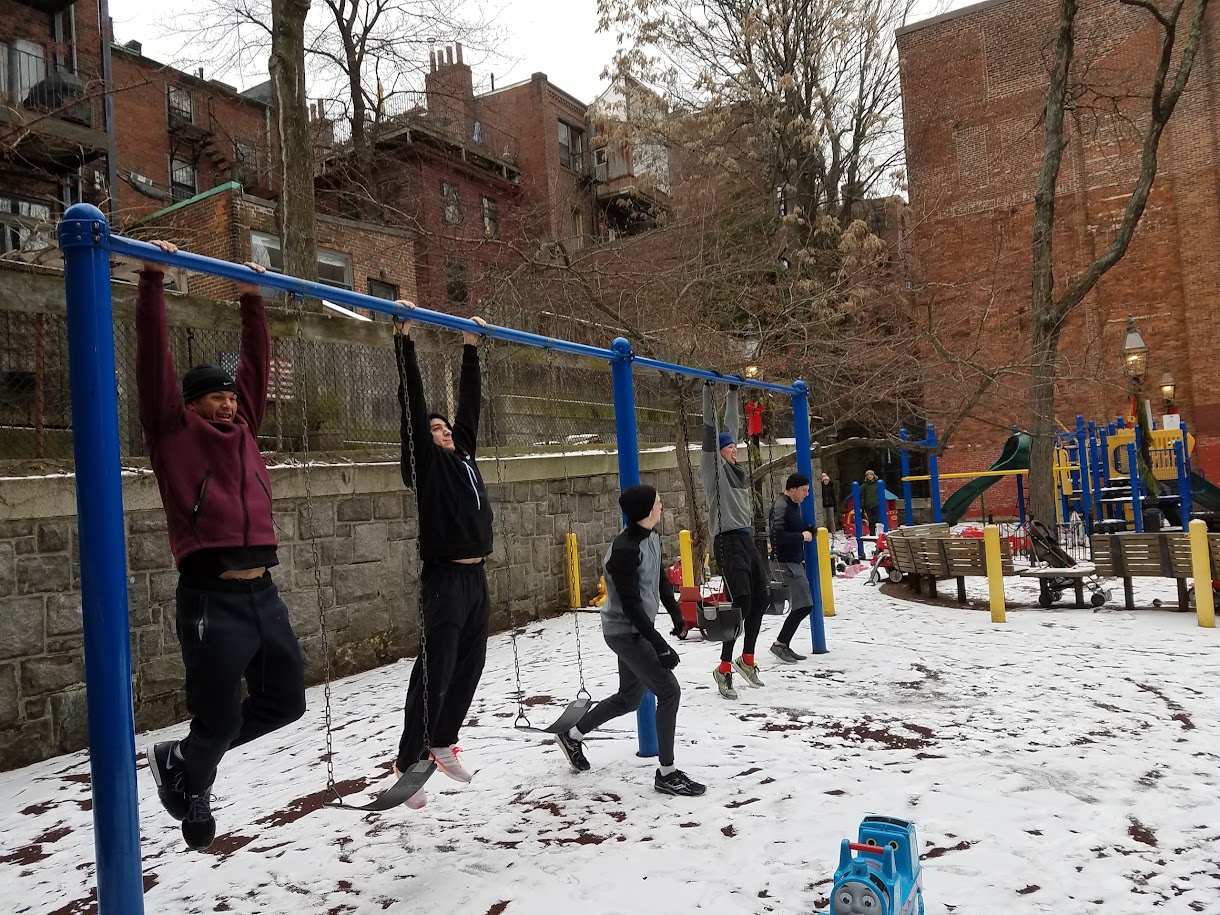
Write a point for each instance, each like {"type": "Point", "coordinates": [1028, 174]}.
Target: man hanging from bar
{"type": "Point", "coordinates": [202, 442]}
{"type": "Point", "coordinates": [635, 586]}
{"type": "Point", "coordinates": [455, 537]}
{"type": "Point", "coordinates": [731, 524]}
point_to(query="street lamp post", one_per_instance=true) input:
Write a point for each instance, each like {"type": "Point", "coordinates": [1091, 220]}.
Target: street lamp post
{"type": "Point", "coordinates": [1135, 364]}
{"type": "Point", "coordinates": [1168, 389]}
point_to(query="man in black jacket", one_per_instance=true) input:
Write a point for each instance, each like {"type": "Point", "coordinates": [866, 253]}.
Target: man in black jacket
{"type": "Point", "coordinates": [789, 534]}
{"type": "Point", "coordinates": [830, 503]}
{"type": "Point", "coordinates": [454, 540]}
{"type": "Point", "coordinates": [635, 584]}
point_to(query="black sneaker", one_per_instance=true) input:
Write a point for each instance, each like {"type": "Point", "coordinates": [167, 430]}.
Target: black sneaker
{"type": "Point", "coordinates": [574, 750]}
{"type": "Point", "coordinates": [199, 829]}
{"type": "Point", "coordinates": [169, 773]}
{"type": "Point", "coordinates": [678, 783]}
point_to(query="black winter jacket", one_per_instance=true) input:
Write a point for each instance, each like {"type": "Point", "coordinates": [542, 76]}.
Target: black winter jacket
{"type": "Point", "coordinates": [454, 510]}
{"type": "Point", "coordinates": [787, 530]}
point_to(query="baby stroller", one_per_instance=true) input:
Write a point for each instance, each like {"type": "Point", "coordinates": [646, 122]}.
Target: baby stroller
{"type": "Point", "coordinates": [1047, 552]}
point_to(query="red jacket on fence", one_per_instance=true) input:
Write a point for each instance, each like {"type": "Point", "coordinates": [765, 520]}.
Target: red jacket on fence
{"type": "Point", "coordinates": [213, 481]}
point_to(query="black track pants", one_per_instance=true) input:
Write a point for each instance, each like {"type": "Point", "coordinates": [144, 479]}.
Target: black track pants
{"type": "Point", "coordinates": [745, 577]}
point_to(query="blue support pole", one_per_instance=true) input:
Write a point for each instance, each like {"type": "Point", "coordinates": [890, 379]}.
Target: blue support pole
{"type": "Point", "coordinates": [904, 463]}
{"type": "Point", "coordinates": [1185, 501]}
{"type": "Point", "coordinates": [1096, 475]}
{"type": "Point", "coordinates": [857, 515]}
{"type": "Point", "coordinates": [934, 473]}
{"type": "Point", "coordinates": [1135, 488]}
{"type": "Point", "coordinates": [1086, 485]}
{"type": "Point", "coordinates": [629, 475]}
{"type": "Point", "coordinates": [804, 464]}
{"type": "Point", "coordinates": [84, 238]}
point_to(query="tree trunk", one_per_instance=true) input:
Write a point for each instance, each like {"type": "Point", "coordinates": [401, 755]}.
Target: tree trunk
{"type": "Point", "coordinates": [1042, 423]}
{"type": "Point", "coordinates": [295, 214]}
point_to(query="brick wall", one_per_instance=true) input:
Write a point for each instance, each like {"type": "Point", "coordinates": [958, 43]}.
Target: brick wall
{"type": "Point", "coordinates": [365, 528]}
{"type": "Point", "coordinates": [972, 87]}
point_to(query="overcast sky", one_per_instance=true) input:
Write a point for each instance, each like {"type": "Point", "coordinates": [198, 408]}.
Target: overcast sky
{"type": "Point", "coordinates": [556, 37]}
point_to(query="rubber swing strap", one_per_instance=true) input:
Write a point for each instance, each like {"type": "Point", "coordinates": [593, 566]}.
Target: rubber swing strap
{"type": "Point", "coordinates": [571, 715]}
{"type": "Point", "coordinates": [408, 784]}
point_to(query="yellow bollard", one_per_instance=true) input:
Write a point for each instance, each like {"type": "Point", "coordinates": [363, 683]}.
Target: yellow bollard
{"type": "Point", "coordinates": [824, 573]}
{"type": "Point", "coordinates": [573, 573]}
{"type": "Point", "coordinates": [1201, 565]}
{"type": "Point", "coordinates": [995, 572]}
{"type": "Point", "coordinates": [688, 559]}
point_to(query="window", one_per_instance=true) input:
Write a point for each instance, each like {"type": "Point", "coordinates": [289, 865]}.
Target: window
{"type": "Point", "coordinates": [246, 166]}
{"type": "Point", "coordinates": [182, 179]}
{"type": "Point", "coordinates": [22, 67]}
{"type": "Point", "coordinates": [571, 146]}
{"type": "Point", "coordinates": [453, 203]}
{"type": "Point", "coordinates": [491, 218]}
{"type": "Point", "coordinates": [24, 225]}
{"type": "Point", "coordinates": [179, 102]}
{"type": "Point", "coordinates": [599, 164]}
{"type": "Point", "coordinates": [334, 267]}
{"type": "Point", "coordinates": [578, 229]}
{"type": "Point", "coordinates": [379, 289]}
{"type": "Point", "coordinates": [458, 293]}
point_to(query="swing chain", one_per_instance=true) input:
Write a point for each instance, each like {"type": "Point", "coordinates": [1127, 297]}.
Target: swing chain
{"type": "Point", "coordinates": [313, 542]}
{"type": "Point", "coordinates": [572, 573]}
{"type": "Point", "coordinates": [423, 622]}
{"type": "Point", "coordinates": [522, 720]}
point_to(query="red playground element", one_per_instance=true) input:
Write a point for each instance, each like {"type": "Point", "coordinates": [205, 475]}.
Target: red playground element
{"type": "Point", "coordinates": [691, 599]}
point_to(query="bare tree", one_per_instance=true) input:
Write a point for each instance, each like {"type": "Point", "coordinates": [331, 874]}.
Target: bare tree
{"type": "Point", "coordinates": [1051, 301]}
{"type": "Point", "coordinates": [295, 213]}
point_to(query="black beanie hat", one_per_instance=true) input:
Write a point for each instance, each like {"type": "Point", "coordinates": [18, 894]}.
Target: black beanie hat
{"type": "Point", "coordinates": [205, 379]}
{"type": "Point", "coordinates": [442, 417]}
{"type": "Point", "coordinates": [637, 502]}
{"type": "Point", "coordinates": [796, 480]}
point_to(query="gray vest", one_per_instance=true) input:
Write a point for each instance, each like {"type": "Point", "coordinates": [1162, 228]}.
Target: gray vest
{"type": "Point", "coordinates": [614, 621]}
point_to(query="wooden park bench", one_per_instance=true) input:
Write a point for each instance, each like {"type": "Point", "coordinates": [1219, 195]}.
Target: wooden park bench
{"type": "Point", "coordinates": [1130, 556]}
{"type": "Point", "coordinates": [930, 553]}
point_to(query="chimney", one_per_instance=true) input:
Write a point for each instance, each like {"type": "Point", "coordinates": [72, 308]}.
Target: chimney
{"type": "Point", "coordinates": [199, 72]}
{"type": "Point", "coordinates": [458, 46]}
{"type": "Point", "coordinates": [449, 55]}
{"type": "Point", "coordinates": [431, 61]}
{"type": "Point", "coordinates": [450, 89]}
{"type": "Point", "coordinates": [135, 47]}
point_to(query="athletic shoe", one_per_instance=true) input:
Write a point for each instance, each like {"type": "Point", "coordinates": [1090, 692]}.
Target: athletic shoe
{"type": "Point", "coordinates": [786, 654]}
{"type": "Point", "coordinates": [446, 759]}
{"type": "Point", "coordinates": [574, 750]}
{"type": "Point", "coordinates": [198, 828]}
{"type": "Point", "coordinates": [417, 800]}
{"type": "Point", "coordinates": [749, 671]}
{"type": "Point", "coordinates": [678, 783]}
{"type": "Point", "coordinates": [169, 772]}
{"type": "Point", "coordinates": [724, 682]}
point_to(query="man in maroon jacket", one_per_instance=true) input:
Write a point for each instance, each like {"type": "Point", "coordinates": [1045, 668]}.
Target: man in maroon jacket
{"type": "Point", "coordinates": [202, 442]}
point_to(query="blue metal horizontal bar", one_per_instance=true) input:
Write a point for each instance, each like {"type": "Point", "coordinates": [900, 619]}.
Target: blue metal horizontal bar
{"type": "Point", "coordinates": [713, 376]}
{"type": "Point", "coordinates": [197, 263]}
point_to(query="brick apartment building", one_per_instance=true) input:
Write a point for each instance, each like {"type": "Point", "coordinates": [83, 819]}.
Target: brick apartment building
{"type": "Point", "coordinates": [175, 135]}
{"type": "Point", "coordinates": [973, 83]}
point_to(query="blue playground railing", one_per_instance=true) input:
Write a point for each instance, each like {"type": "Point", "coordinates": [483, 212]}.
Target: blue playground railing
{"type": "Point", "coordinates": [87, 245]}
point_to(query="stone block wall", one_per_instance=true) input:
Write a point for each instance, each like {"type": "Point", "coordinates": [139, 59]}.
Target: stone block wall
{"type": "Point", "coordinates": [364, 531]}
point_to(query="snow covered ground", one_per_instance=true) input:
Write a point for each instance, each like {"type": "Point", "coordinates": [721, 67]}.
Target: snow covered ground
{"type": "Point", "coordinates": [1066, 762]}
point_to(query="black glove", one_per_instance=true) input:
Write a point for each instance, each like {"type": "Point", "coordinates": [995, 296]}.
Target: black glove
{"type": "Point", "coordinates": [667, 656]}
{"type": "Point", "coordinates": [679, 625]}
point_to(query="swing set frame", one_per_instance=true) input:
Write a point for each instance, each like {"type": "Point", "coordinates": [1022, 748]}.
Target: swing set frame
{"type": "Point", "coordinates": [88, 245]}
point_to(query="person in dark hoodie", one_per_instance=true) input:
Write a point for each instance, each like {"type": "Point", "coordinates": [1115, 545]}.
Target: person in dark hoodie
{"type": "Point", "coordinates": [202, 442]}
{"type": "Point", "coordinates": [635, 585]}
{"type": "Point", "coordinates": [455, 537]}
{"type": "Point", "coordinates": [789, 534]}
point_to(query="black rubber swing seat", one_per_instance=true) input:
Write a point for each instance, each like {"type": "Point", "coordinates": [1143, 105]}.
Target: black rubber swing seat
{"type": "Point", "coordinates": [573, 713]}
{"type": "Point", "coordinates": [408, 783]}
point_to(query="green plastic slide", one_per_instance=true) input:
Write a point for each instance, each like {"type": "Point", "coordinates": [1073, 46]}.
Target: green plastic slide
{"type": "Point", "coordinates": [1015, 456]}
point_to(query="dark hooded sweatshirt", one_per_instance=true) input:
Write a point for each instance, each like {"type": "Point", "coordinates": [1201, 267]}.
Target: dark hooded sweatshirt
{"type": "Point", "coordinates": [454, 510]}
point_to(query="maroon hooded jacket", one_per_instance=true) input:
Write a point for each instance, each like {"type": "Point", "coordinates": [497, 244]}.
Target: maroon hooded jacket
{"type": "Point", "coordinates": [214, 484]}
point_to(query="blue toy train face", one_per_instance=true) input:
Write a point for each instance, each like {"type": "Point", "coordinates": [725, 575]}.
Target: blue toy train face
{"type": "Point", "coordinates": [853, 897]}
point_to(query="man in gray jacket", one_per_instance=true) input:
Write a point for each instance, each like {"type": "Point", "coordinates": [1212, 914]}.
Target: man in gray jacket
{"type": "Point", "coordinates": [634, 587]}
{"type": "Point", "coordinates": [731, 523]}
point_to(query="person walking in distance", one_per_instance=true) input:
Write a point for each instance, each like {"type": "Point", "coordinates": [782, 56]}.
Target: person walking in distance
{"type": "Point", "coordinates": [202, 442]}
{"type": "Point", "coordinates": [455, 537]}
{"type": "Point", "coordinates": [789, 534]}
{"type": "Point", "coordinates": [731, 524]}
{"type": "Point", "coordinates": [635, 584]}
{"type": "Point", "coordinates": [830, 503]}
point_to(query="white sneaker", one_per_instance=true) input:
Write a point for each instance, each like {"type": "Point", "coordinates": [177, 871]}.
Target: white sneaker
{"type": "Point", "coordinates": [417, 800]}
{"type": "Point", "coordinates": [446, 759]}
